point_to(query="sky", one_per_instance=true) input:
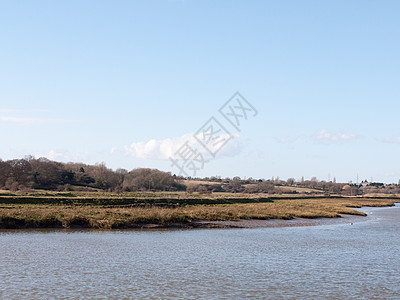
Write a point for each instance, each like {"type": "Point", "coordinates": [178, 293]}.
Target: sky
{"type": "Point", "coordinates": [131, 83]}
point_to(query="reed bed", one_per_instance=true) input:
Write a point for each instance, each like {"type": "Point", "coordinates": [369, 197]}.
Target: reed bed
{"type": "Point", "coordinates": [64, 216]}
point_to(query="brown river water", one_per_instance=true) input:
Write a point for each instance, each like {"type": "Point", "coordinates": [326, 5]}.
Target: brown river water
{"type": "Point", "coordinates": [327, 261]}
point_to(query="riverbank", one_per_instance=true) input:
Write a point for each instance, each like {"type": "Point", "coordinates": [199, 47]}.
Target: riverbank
{"type": "Point", "coordinates": [22, 216]}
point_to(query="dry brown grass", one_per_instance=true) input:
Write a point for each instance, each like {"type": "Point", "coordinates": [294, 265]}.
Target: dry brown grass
{"type": "Point", "coordinates": [32, 216]}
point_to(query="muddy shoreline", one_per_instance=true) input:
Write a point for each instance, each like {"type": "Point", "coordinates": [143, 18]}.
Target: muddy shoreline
{"type": "Point", "coordinates": [344, 219]}
{"type": "Point", "coordinates": [200, 224]}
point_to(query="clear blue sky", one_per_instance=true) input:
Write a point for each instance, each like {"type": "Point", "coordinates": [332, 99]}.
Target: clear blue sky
{"type": "Point", "coordinates": [91, 80]}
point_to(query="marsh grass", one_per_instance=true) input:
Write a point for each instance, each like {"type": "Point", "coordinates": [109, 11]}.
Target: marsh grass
{"type": "Point", "coordinates": [43, 194]}
{"type": "Point", "coordinates": [103, 217]}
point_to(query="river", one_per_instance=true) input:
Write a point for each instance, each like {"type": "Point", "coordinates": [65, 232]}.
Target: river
{"type": "Point", "coordinates": [325, 261]}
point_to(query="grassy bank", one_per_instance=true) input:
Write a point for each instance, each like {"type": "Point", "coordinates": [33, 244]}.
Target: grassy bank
{"type": "Point", "coordinates": [42, 215]}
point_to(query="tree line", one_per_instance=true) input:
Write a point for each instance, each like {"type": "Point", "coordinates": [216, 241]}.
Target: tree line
{"type": "Point", "coordinates": [209, 185]}
{"type": "Point", "coordinates": [42, 173]}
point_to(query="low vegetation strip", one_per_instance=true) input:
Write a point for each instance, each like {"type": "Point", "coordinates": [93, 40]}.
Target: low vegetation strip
{"type": "Point", "coordinates": [14, 215]}
{"type": "Point", "coordinates": [122, 201]}
{"type": "Point", "coordinates": [151, 198]}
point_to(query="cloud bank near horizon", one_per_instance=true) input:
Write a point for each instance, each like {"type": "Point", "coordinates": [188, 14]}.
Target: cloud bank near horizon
{"type": "Point", "coordinates": [166, 148]}
{"type": "Point", "coordinates": [326, 136]}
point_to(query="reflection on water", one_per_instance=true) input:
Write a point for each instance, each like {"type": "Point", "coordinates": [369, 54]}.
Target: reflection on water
{"type": "Point", "coordinates": [334, 261]}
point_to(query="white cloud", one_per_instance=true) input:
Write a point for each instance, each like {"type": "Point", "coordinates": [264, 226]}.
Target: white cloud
{"type": "Point", "coordinates": [395, 140]}
{"type": "Point", "coordinates": [31, 110]}
{"type": "Point", "coordinates": [166, 148]}
{"type": "Point", "coordinates": [56, 155]}
{"type": "Point", "coordinates": [19, 120]}
{"type": "Point", "coordinates": [326, 136]}
{"type": "Point", "coordinates": [6, 111]}
{"type": "Point", "coordinates": [19, 117]}
{"type": "Point", "coordinates": [322, 136]}
{"type": "Point", "coordinates": [33, 121]}
{"type": "Point", "coordinates": [64, 155]}
{"type": "Point", "coordinates": [289, 139]}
